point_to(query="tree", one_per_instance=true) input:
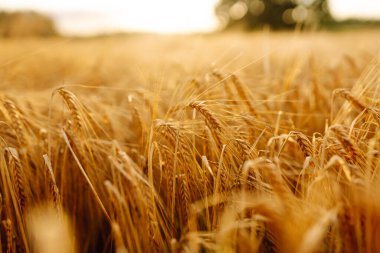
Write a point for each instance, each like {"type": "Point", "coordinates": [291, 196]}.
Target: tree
{"type": "Point", "coordinates": [22, 24]}
{"type": "Point", "coordinates": [277, 14]}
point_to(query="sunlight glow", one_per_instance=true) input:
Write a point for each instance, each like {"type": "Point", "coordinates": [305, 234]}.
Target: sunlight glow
{"type": "Point", "coordinates": [87, 16]}
{"type": "Point", "coordinates": [342, 9]}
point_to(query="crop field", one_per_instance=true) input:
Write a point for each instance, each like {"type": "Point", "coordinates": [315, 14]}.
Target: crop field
{"type": "Point", "coordinates": [257, 142]}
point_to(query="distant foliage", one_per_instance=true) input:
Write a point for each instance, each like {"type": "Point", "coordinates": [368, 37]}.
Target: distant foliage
{"type": "Point", "coordinates": [277, 14]}
{"type": "Point", "coordinates": [25, 24]}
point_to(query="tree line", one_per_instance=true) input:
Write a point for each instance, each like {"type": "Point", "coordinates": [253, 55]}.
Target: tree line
{"type": "Point", "coordinates": [282, 14]}
{"type": "Point", "coordinates": [26, 23]}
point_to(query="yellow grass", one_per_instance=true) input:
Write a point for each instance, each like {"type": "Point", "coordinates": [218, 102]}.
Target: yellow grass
{"type": "Point", "coordinates": [262, 142]}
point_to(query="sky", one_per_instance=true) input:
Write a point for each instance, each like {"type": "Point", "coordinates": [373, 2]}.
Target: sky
{"type": "Point", "coordinates": [164, 16]}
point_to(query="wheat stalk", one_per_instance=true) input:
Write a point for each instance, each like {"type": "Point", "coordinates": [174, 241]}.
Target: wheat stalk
{"type": "Point", "coordinates": [7, 224]}
{"type": "Point", "coordinates": [304, 143]}
{"type": "Point", "coordinates": [54, 191]}
{"type": "Point", "coordinates": [242, 94]}
{"type": "Point", "coordinates": [71, 102]}
{"type": "Point", "coordinates": [18, 177]}
{"type": "Point", "coordinates": [16, 121]}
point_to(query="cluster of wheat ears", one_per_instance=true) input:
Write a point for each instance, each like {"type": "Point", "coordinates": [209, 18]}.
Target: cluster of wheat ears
{"type": "Point", "coordinates": [211, 164]}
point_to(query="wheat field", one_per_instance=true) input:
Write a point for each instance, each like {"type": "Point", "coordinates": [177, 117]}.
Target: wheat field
{"type": "Point", "coordinates": [259, 142]}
